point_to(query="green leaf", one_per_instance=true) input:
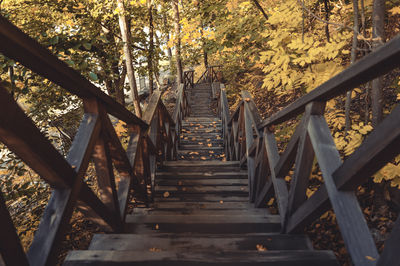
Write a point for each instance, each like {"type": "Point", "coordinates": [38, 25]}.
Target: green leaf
{"type": "Point", "coordinates": [54, 40]}
{"type": "Point", "coordinates": [70, 63]}
{"type": "Point", "coordinates": [93, 76]}
{"type": "Point", "coordinates": [87, 45]}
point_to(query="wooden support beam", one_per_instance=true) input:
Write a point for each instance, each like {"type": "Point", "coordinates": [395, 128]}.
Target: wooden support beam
{"type": "Point", "coordinates": [350, 218]}
{"type": "Point", "coordinates": [106, 179]}
{"type": "Point", "coordinates": [62, 201]}
{"type": "Point", "coordinates": [21, 136]}
{"type": "Point", "coordinates": [279, 184]}
{"type": "Point", "coordinates": [11, 249]}
{"type": "Point", "coordinates": [380, 147]}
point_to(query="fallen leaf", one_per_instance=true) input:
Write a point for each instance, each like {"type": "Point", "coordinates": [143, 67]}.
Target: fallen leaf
{"type": "Point", "coordinates": [155, 249]}
{"type": "Point", "coordinates": [247, 99]}
{"type": "Point", "coordinates": [370, 258]}
{"type": "Point", "coordinates": [166, 194]}
{"type": "Point", "coordinates": [203, 158]}
{"type": "Point", "coordinates": [261, 247]}
{"type": "Point", "coordinates": [209, 145]}
{"type": "Point", "coordinates": [221, 201]}
{"type": "Point", "coordinates": [157, 227]}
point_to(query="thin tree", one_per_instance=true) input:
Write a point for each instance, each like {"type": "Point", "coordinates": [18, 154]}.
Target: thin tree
{"type": "Point", "coordinates": [352, 61]}
{"type": "Point", "coordinates": [179, 72]}
{"type": "Point", "coordinates": [151, 45]}
{"type": "Point", "coordinates": [125, 34]}
{"type": "Point", "coordinates": [378, 35]}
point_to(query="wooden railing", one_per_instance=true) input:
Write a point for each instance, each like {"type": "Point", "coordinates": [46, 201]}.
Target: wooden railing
{"type": "Point", "coordinates": [188, 79]}
{"type": "Point", "coordinates": [151, 141]}
{"type": "Point", "coordinates": [211, 74]}
{"type": "Point", "coordinates": [251, 140]}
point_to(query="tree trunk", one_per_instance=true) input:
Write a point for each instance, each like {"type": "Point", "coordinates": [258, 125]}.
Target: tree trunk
{"type": "Point", "coordinates": [352, 61]}
{"type": "Point", "coordinates": [179, 71]}
{"type": "Point", "coordinates": [169, 51]}
{"type": "Point", "coordinates": [378, 35]}
{"type": "Point", "coordinates": [261, 9]}
{"type": "Point", "coordinates": [151, 46]}
{"type": "Point", "coordinates": [128, 58]}
{"type": "Point", "coordinates": [326, 5]}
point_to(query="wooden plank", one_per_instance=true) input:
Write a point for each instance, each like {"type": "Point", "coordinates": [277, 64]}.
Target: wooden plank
{"type": "Point", "coordinates": [11, 250]}
{"type": "Point", "coordinates": [390, 254]}
{"type": "Point", "coordinates": [304, 161]}
{"type": "Point", "coordinates": [379, 62]}
{"type": "Point", "coordinates": [380, 147]}
{"type": "Point", "coordinates": [106, 179]}
{"type": "Point", "coordinates": [310, 210]}
{"type": "Point", "coordinates": [58, 211]}
{"type": "Point", "coordinates": [302, 172]}
{"type": "Point", "coordinates": [30, 53]}
{"type": "Point", "coordinates": [279, 184]}
{"type": "Point", "coordinates": [152, 107]}
{"type": "Point", "coordinates": [199, 242]}
{"type": "Point", "coordinates": [171, 258]}
{"type": "Point", "coordinates": [249, 102]}
{"type": "Point", "coordinates": [286, 160]}
{"type": "Point", "coordinates": [350, 218]}
{"type": "Point", "coordinates": [22, 137]}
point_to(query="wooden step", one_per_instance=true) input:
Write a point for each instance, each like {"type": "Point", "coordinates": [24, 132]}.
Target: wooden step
{"type": "Point", "coordinates": [203, 206]}
{"type": "Point", "coordinates": [172, 258]}
{"type": "Point", "coordinates": [191, 211]}
{"type": "Point", "coordinates": [201, 166]}
{"type": "Point", "coordinates": [209, 224]}
{"type": "Point", "coordinates": [200, 147]}
{"type": "Point", "coordinates": [183, 182]}
{"type": "Point", "coordinates": [205, 198]}
{"type": "Point", "coordinates": [199, 242]}
{"type": "Point", "coordinates": [208, 190]}
{"type": "Point", "coordinates": [242, 174]}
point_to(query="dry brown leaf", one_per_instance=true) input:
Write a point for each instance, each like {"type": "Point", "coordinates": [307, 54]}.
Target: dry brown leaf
{"type": "Point", "coordinates": [166, 194]}
{"type": "Point", "coordinates": [209, 145]}
{"type": "Point", "coordinates": [221, 201]}
{"type": "Point", "coordinates": [157, 227]}
{"type": "Point", "coordinates": [261, 247]}
{"type": "Point", "coordinates": [155, 249]}
{"type": "Point", "coordinates": [370, 258]}
{"type": "Point", "coordinates": [203, 158]}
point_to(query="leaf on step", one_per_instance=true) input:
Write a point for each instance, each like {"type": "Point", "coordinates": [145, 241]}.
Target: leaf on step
{"type": "Point", "coordinates": [247, 99]}
{"type": "Point", "coordinates": [193, 152]}
{"type": "Point", "coordinates": [200, 143]}
{"type": "Point", "coordinates": [180, 183]}
{"type": "Point", "coordinates": [166, 194]}
{"type": "Point", "coordinates": [370, 258]}
{"type": "Point", "coordinates": [211, 152]}
{"type": "Point", "coordinates": [221, 201]}
{"type": "Point", "coordinates": [261, 247]}
{"type": "Point", "coordinates": [193, 138]}
{"type": "Point", "coordinates": [184, 189]}
{"type": "Point", "coordinates": [203, 158]}
{"type": "Point", "coordinates": [157, 227]}
{"type": "Point", "coordinates": [155, 249]}
{"type": "Point", "coordinates": [208, 140]}
{"type": "Point", "coordinates": [209, 145]}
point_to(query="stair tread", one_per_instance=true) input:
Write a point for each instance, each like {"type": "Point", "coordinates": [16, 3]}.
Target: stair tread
{"type": "Point", "coordinates": [277, 257]}
{"type": "Point", "coordinates": [188, 242]}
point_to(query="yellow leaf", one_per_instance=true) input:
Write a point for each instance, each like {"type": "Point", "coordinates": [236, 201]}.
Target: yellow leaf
{"type": "Point", "coordinates": [370, 258]}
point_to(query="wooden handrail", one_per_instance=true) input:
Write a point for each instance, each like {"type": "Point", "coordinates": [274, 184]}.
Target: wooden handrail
{"type": "Point", "coordinates": [250, 140]}
{"type": "Point", "coordinates": [18, 46]}
{"type": "Point", "coordinates": [151, 141]}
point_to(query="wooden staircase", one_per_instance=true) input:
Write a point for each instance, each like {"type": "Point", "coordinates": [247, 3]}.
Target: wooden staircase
{"type": "Point", "coordinates": [201, 213]}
